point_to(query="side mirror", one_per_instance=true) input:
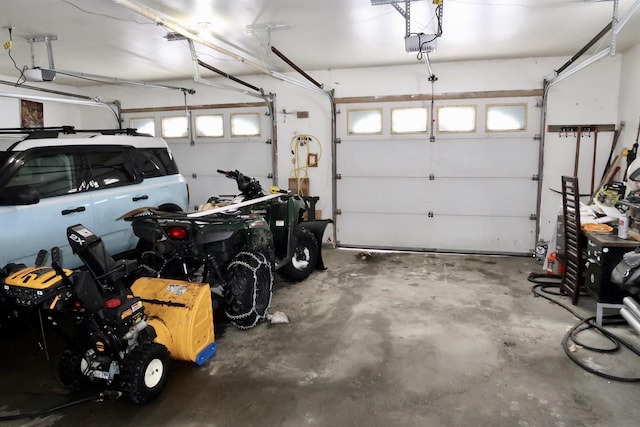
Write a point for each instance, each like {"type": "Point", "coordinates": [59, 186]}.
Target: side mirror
{"type": "Point", "coordinates": [19, 195]}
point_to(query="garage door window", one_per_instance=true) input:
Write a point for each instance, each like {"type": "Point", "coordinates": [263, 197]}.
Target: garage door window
{"type": "Point", "coordinates": [457, 119]}
{"type": "Point", "coordinates": [409, 120]}
{"type": "Point", "coordinates": [245, 124]}
{"type": "Point", "coordinates": [364, 122]}
{"type": "Point", "coordinates": [506, 117]}
{"type": "Point", "coordinates": [144, 125]}
{"type": "Point", "coordinates": [209, 126]}
{"type": "Point", "coordinates": [174, 127]}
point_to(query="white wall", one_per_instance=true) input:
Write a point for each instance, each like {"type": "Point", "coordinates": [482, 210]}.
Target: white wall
{"type": "Point", "coordinates": [590, 96]}
{"type": "Point", "coordinates": [630, 96]}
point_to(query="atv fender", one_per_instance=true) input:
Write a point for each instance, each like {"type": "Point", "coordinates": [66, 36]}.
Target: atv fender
{"type": "Point", "coordinates": [317, 227]}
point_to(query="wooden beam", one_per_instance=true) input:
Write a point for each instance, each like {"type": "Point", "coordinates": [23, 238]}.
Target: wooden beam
{"type": "Point", "coordinates": [442, 96]}
{"type": "Point", "coordinates": [584, 128]}
{"type": "Point", "coordinates": [192, 107]}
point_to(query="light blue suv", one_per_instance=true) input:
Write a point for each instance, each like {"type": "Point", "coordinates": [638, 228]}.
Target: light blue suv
{"type": "Point", "coordinates": [56, 178]}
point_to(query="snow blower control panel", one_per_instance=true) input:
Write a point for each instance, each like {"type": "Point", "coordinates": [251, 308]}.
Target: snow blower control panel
{"type": "Point", "coordinates": [33, 286]}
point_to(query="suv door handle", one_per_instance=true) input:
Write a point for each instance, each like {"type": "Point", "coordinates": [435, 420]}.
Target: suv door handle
{"type": "Point", "coordinates": [143, 197]}
{"type": "Point", "coordinates": [70, 211]}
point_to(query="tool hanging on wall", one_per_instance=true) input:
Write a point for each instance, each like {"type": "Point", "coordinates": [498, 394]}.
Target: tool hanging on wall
{"type": "Point", "coordinates": [631, 156]}
{"type": "Point", "coordinates": [300, 172]}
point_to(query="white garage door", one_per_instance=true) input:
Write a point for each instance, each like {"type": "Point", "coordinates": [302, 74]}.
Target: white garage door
{"type": "Point", "coordinates": [226, 139]}
{"type": "Point", "coordinates": [469, 191]}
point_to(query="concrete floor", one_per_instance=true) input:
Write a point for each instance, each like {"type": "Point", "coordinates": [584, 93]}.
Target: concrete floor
{"type": "Point", "coordinates": [394, 339]}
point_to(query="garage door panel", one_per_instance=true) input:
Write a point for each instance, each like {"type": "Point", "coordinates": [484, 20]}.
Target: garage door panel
{"type": "Point", "coordinates": [486, 158]}
{"type": "Point", "coordinates": [369, 230]}
{"type": "Point", "coordinates": [199, 165]}
{"type": "Point", "coordinates": [383, 194]}
{"type": "Point", "coordinates": [383, 158]}
{"type": "Point", "coordinates": [499, 197]}
{"type": "Point", "coordinates": [486, 234]}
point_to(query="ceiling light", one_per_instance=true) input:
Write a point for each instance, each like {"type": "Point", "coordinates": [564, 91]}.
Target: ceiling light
{"type": "Point", "coordinates": [257, 28]}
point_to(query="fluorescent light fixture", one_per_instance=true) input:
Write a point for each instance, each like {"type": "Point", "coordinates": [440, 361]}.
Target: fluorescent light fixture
{"type": "Point", "coordinates": [298, 83]}
{"type": "Point", "coordinates": [257, 28]}
{"type": "Point", "coordinates": [379, 2]}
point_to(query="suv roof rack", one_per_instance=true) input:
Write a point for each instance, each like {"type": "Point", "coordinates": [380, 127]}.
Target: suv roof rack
{"type": "Point", "coordinates": [55, 131]}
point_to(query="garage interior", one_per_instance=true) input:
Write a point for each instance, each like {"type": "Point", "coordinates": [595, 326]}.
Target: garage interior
{"type": "Point", "coordinates": [433, 308]}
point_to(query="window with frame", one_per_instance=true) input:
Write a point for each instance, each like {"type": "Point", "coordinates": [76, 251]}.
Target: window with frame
{"type": "Point", "coordinates": [210, 126]}
{"type": "Point", "coordinates": [175, 127]}
{"type": "Point", "coordinates": [143, 125]}
{"type": "Point", "coordinates": [456, 118]}
{"type": "Point", "coordinates": [506, 117]}
{"type": "Point", "coordinates": [154, 162]}
{"type": "Point", "coordinates": [49, 174]}
{"type": "Point", "coordinates": [364, 122]}
{"type": "Point", "coordinates": [409, 120]}
{"type": "Point", "coordinates": [111, 169]}
{"type": "Point", "coordinates": [245, 124]}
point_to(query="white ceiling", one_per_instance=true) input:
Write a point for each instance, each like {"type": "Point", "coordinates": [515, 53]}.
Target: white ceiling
{"type": "Point", "coordinates": [105, 38]}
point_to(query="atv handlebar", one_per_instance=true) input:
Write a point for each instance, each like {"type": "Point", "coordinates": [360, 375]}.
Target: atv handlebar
{"type": "Point", "coordinates": [230, 174]}
{"type": "Point", "coordinates": [247, 185]}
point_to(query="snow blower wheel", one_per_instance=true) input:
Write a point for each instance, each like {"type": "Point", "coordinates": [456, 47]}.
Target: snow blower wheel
{"type": "Point", "coordinates": [249, 284]}
{"type": "Point", "coordinates": [144, 372]}
{"type": "Point", "coordinates": [71, 369]}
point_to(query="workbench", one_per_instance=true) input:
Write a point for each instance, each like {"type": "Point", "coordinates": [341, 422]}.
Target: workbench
{"type": "Point", "coordinates": [603, 252]}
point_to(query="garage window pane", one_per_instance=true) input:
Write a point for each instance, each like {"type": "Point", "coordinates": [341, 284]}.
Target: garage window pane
{"type": "Point", "coordinates": [174, 127]}
{"type": "Point", "coordinates": [460, 118]}
{"type": "Point", "coordinates": [211, 126]}
{"type": "Point", "coordinates": [245, 124]}
{"type": "Point", "coordinates": [364, 122]}
{"type": "Point", "coordinates": [506, 117]}
{"type": "Point", "coordinates": [144, 125]}
{"type": "Point", "coordinates": [409, 120]}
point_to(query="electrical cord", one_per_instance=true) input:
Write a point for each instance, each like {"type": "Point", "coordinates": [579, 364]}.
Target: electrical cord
{"type": "Point", "coordinates": [100, 397]}
{"type": "Point", "coordinates": [9, 46]}
{"type": "Point", "coordinates": [303, 140]}
{"type": "Point", "coordinates": [543, 282]}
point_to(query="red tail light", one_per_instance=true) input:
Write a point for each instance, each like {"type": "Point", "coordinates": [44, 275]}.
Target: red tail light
{"type": "Point", "coordinates": [178, 233]}
{"type": "Point", "coordinates": [112, 303]}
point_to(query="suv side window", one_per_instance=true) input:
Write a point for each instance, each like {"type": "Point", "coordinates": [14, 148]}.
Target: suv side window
{"type": "Point", "coordinates": [50, 174]}
{"type": "Point", "coordinates": [111, 169]}
{"type": "Point", "coordinates": [154, 162]}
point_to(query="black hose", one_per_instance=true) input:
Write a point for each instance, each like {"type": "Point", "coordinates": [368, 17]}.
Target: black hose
{"type": "Point", "coordinates": [546, 281]}
{"type": "Point", "coordinates": [101, 397]}
{"type": "Point", "coordinates": [589, 322]}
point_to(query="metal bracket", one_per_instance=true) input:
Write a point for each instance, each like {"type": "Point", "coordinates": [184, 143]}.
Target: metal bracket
{"type": "Point", "coordinates": [40, 39]}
